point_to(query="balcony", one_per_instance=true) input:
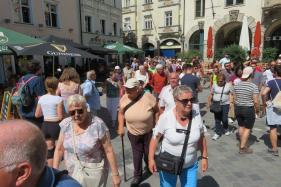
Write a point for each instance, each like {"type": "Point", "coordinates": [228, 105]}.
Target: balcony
{"type": "Point", "coordinates": [167, 3]}
{"type": "Point", "coordinates": [169, 29]}
{"type": "Point", "coordinates": [147, 7]}
{"type": "Point", "coordinates": [271, 3]}
{"type": "Point", "coordinates": [147, 31]}
{"type": "Point", "coordinates": [129, 9]}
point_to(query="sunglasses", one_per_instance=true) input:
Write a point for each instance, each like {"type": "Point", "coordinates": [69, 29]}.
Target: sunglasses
{"type": "Point", "coordinates": [185, 101]}
{"type": "Point", "coordinates": [79, 111]}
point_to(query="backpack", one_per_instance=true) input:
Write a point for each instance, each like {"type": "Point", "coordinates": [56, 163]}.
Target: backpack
{"type": "Point", "coordinates": [277, 99]}
{"type": "Point", "coordinates": [22, 96]}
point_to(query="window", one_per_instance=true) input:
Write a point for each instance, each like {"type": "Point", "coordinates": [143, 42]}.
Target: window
{"type": "Point", "coordinates": [234, 2]}
{"type": "Point", "coordinates": [148, 22]}
{"type": "Point", "coordinates": [199, 8]}
{"type": "Point", "coordinates": [127, 3]}
{"type": "Point", "coordinates": [88, 24]}
{"type": "Point", "coordinates": [102, 23]}
{"type": "Point", "coordinates": [114, 29]}
{"type": "Point", "coordinates": [51, 15]}
{"type": "Point", "coordinates": [114, 3]}
{"type": "Point", "coordinates": [22, 11]}
{"type": "Point", "coordinates": [147, 1]}
{"type": "Point", "coordinates": [168, 18]}
{"type": "Point", "coordinates": [127, 24]}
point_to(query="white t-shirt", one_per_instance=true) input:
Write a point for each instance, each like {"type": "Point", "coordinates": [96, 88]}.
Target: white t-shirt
{"type": "Point", "coordinates": [166, 98]}
{"type": "Point", "coordinates": [224, 61]}
{"type": "Point", "coordinates": [173, 141]}
{"type": "Point", "coordinates": [49, 105]}
{"type": "Point", "coordinates": [217, 90]}
{"type": "Point", "coordinates": [141, 77]}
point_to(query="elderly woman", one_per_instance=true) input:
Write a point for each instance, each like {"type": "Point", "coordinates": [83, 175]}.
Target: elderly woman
{"type": "Point", "coordinates": [170, 126]}
{"type": "Point", "coordinates": [139, 110]}
{"type": "Point", "coordinates": [220, 93]}
{"type": "Point", "coordinates": [142, 75]}
{"type": "Point", "coordinates": [84, 142]}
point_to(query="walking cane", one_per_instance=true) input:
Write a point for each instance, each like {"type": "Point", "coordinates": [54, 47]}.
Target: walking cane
{"type": "Point", "coordinates": [124, 164]}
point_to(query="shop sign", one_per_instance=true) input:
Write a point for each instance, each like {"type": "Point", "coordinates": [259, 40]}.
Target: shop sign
{"type": "Point", "coordinates": [3, 39]}
{"type": "Point", "coordinates": [3, 48]}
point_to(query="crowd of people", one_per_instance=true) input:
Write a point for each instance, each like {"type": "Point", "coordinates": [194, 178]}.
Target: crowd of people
{"type": "Point", "coordinates": [156, 100]}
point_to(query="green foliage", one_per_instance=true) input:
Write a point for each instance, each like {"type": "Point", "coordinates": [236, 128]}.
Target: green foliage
{"type": "Point", "coordinates": [188, 55]}
{"type": "Point", "coordinates": [269, 54]}
{"type": "Point", "coordinates": [236, 53]}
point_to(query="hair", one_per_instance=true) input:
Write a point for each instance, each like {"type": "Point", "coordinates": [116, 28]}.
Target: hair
{"type": "Point", "coordinates": [33, 66]}
{"type": "Point", "coordinates": [237, 68]}
{"type": "Point", "coordinates": [277, 70]}
{"type": "Point", "coordinates": [221, 76]}
{"type": "Point", "coordinates": [179, 90]}
{"type": "Point", "coordinates": [188, 66]}
{"type": "Point", "coordinates": [76, 99]}
{"type": "Point", "coordinates": [90, 73]}
{"type": "Point", "coordinates": [51, 84]}
{"type": "Point", "coordinates": [20, 148]}
{"type": "Point", "coordinates": [70, 74]}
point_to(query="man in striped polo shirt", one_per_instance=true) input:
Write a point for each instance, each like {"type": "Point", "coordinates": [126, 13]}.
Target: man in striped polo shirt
{"type": "Point", "coordinates": [246, 107]}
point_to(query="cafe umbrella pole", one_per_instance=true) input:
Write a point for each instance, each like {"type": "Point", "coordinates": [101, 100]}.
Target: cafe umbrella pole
{"type": "Point", "coordinates": [123, 154]}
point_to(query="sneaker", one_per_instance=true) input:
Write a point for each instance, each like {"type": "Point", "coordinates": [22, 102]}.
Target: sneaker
{"type": "Point", "coordinates": [227, 133]}
{"type": "Point", "coordinates": [215, 137]}
{"type": "Point", "coordinates": [274, 153]}
{"type": "Point", "coordinates": [245, 150]}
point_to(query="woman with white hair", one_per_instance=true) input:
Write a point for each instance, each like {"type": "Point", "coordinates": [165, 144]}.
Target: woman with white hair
{"type": "Point", "coordinates": [179, 126]}
{"type": "Point", "coordinates": [84, 142]}
{"type": "Point", "coordinates": [142, 75]}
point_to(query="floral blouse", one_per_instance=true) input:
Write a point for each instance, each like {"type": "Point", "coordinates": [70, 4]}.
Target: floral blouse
{"type": "Point", "coordinates": [88, 144]}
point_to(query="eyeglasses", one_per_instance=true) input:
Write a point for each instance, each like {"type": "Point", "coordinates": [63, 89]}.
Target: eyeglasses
{"type": "Point", "coordinates": [73, 112]}
{"type": "Point", "coordinates": [185, 101]}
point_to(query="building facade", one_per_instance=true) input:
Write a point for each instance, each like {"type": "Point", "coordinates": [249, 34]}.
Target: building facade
{"type": "Point", "coordinates": [167, 26]}
{"type": "Point", "coordinates": [101, 21]}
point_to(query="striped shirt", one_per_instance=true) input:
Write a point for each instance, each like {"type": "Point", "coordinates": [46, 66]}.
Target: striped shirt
{"type": "Point", "coordinates": [244, 92]}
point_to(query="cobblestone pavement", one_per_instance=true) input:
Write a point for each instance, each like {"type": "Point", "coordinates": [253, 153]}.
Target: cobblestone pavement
{"type": "Point", "coordinates": [226, 167]}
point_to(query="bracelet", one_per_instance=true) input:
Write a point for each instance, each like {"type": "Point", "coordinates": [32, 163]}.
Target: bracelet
{"type": "Point", "coordinates": [204, 157]}
{"type": "Point", "coordinates": [115, 174]}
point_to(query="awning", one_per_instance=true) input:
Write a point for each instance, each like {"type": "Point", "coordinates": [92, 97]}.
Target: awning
{"type": "Point", "coordinates": [122, 49]}
{"type": "Point", "coordinates": [9, 37]}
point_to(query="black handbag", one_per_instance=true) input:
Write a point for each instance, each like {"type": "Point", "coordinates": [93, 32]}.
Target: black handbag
{"type": "Point", "coordinates": [173, 164]}
{"type": "Point", "coordinates": [216, 105]}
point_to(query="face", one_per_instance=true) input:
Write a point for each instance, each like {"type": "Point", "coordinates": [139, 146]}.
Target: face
{"type": "Point", "coordinates": [132, 92]}
{"type": "Point", "coordinates": [227, 66]}
{"type": "Point", "coordinates": [254, 65]}
{"type": "Point", "coordinates": [78, 113]}
{"type": "Point", "coordinates": [216, 70]}
{"type": "Point", "coordinates": [93, 76]}
{"type": "Point", "coordinates": [184, 103]}
{"type": "Point", "coordinates": [220, 81]}
{"type": "Point", "coordinates": [174, 80]}
{"type": "Point", "coordinates": [160, 70]}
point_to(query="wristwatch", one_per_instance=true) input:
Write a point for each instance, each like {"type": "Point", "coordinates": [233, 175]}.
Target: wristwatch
{"type": "Point", "coordinates": [204, 157]}
{"type": "Point", "coordinates": [115, 174]}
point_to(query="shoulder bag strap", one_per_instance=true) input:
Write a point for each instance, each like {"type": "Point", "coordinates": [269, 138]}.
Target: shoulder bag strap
{"type": "Point", "coordinates": [222, 92]}
{"type": "Point", "coordinates": [25, 82]}
{"type": "Point", "coordinates": [133, 102]}
{"type": "Point", "coordinates": [185, 145]}
{"type": "Point", "coordinates": [74, 146]}
{"type": "Point", "coordinates": [277, 85]}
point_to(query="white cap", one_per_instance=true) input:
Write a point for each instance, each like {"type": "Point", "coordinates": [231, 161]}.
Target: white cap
{"type": "Point", "coordinates": [131, 83]}
{"type": "Point", "coordinates": [117, 67]}
{"type": "Point", "coordinates": [247, 71]}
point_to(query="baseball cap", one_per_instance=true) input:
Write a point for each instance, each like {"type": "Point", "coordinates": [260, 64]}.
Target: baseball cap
{"type": "Point", "coordinates": [117, 67]}
{"type": "Point", "coordinates": [131, 83]}
{"type": "Point", "coordinates": [247, 71]}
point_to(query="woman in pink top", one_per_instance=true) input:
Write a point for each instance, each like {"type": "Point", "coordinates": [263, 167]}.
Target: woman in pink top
{"type": "Point", "coordinates": [69, 84]}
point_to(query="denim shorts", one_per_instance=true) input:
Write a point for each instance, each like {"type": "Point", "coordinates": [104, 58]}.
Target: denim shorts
{"type": "Point", "coordinates": [245, 116]}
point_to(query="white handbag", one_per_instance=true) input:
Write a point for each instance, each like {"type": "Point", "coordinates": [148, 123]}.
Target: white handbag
{"type": "Point", "coordinates": [88, 174]}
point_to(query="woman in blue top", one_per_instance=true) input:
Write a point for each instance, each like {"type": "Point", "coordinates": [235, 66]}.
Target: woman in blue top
{"type": "Point", "coordinates": [273, 114]}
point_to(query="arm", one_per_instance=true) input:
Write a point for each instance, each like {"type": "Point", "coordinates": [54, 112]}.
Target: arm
{"type": "Point", "coordinates": [116, 180]}
{"type": "Point", "coordinates": [121, 121]}
{"type": "Point", "coordinates": [59, 151]}
{"type": "Point", "coordinates": [152, 148]}
{"type": "Point", "coordinates": [38, 112]}
{"type": "Point", "coordinates": [60, 110]}
{"type": "Point", "coordinates": [264, 94]}
{"type": "Point", "coordinates": [199, 86]}
{"type": "Point", "coordinates": [202, 144]}
{"type": "Point", "coordinates": [210, 98]}
{"type": "Point", "coordinates": [256, 103]}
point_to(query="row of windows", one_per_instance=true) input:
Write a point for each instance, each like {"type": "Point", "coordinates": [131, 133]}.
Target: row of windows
{"type": "Point", "coordinates": [127, 3]}
{"type": "Point", "coordinates": [22, 11]}
{"type": "Point", "coordinates": [88, 26]}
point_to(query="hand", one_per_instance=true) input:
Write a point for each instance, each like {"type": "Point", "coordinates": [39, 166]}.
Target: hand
{"type": "Point", "coordinates": [121, 131]}
{"type": "Point", "coordinates": [152, 166]}
{"type": "Point", "coordinates": [116, 181]}
{"type": "Point", "coordinates": [204, 165]}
